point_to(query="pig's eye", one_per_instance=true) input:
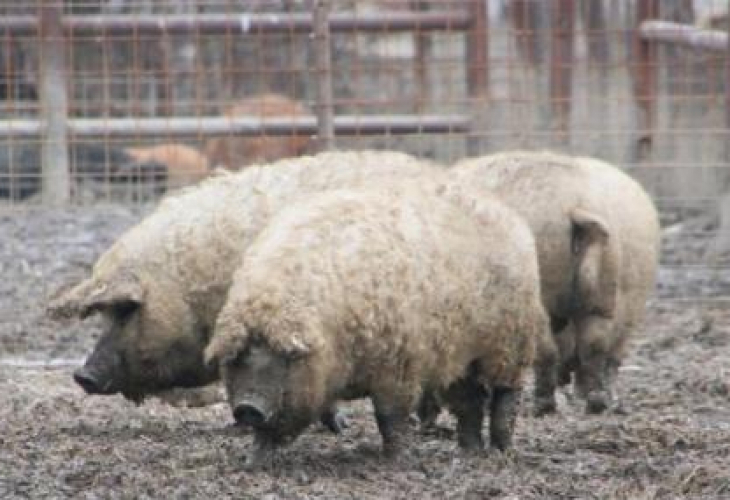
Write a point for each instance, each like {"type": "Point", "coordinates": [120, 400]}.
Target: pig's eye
{"type": "Point", "coordinates": [123, 311]}
{"type": "Point", "coordinates": [291, 361]}
{"type": "Point", "coordinates": [238, 360]}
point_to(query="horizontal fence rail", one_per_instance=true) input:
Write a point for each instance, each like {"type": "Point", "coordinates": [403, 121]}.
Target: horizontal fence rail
{"type": "Point", "coordinates": [246, 126]}
{"type": "Point", "coordinates": [684, 35]}
{"type": "Point", "coordinates": [240, 24]}
{"type": "Point", "coordinates": [159, 94]}
{"type": "Point", "coordinates": [150, 35]}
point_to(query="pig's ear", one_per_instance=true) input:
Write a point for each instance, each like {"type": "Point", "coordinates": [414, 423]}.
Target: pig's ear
{"type": "Point", "coordinates": [295, 347]}
{"type": "Point", "coordinates": [91, 295]}
{"type": "Point", "coordinates": [211, 355]}
{"type": "Point", "coordinates": [229, 340]}
{"type": "Point", "coordinates": [294, 343]}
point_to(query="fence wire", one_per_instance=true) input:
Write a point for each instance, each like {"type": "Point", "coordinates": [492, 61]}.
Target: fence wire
{"type": "Point", "coordinates": [133, 98]}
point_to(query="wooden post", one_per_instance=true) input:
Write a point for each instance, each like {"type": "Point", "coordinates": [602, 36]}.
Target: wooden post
{"type": "Point", "coordinates": [722, 240]}
{"type": "Point", "coordinates": [594, 24]}
{"type": "Point", "coordinates": [477, 49]}
{"type": "Point", "coordinates": [7, 70]}
{"type": "Point", "coordinates": [54, 106]}
{"type": "Point", "coordinates": [645, 67]}
{"type": "Point", "coordinates": [422, 41]}
{"type": "Point", "coordinates": [727, 81]}
{"type": "Point", "coordinates": [562, 22]}
{"type": "Point", "coordinates": [680, 11]}
{"type": "Point", "coordinates": [323, 69]}
{"type": "Point", "coordinates": [477, 71]}
{"type": "Point", "coordinates": [524, 14]}
{"type": "Point", "coordinates": [727, 73]}
{"type": "Point", "coordinates": [166, 93]}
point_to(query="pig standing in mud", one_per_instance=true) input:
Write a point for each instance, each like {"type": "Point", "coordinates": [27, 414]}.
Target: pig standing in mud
{"type": "Point", "coordinates": [597, 236]}
{"type": "Point", "coordinates": [382, 293]}
{"type": "Point", "coordinates": [162, 284]}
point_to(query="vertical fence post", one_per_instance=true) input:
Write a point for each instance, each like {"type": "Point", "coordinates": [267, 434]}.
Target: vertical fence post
{"type": "Point", "coordinates": [524, 16]}
{"type": "Point", "coordinates": [562, 22]}
{"type": "Point", "coordinates": [420, 70]}
{"type": "Point", "coordinates": [54, 106]}
{"type": "Point", "coordinates": [645, 67]}
{"type": "Point", "coordinates": [595, 27]}
{"type": "Point", "coordinates": [727, 80]}
{"type": "Point", "coordinates": [722, 240]}
{"type": "Point", "coordinates": [477, 71]}
{"type": "Point", "coordinates": [323, 71]}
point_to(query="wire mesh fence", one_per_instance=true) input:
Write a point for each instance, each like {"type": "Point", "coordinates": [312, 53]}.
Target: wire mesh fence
{"type": "Point", "coordinates": [122, 100]}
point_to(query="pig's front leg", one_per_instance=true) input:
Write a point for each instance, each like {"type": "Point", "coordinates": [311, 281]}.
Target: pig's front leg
{"type": "Point", "coordinates": [392, 419]}
{"type": "Point", "coordinates": [504, 406]}
{"type": "Point", "coordinates": [334, 420]}
{"type": "Point", "coordinates": [263, 452]}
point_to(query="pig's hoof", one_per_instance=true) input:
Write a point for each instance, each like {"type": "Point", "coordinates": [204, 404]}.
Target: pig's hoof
{"type": "Point", "coordinates": [250, 462]}
{"type": "Point", "coordinates": [505, 456]}
{"type": "Point", "coordinates": [335, 422]}
{"type": "Point", "coordinates": [465, 455]}
{"type": "Point", "coordinates": [500, 439]}
{"type": "Point", "coordinates": [545, 406]}
{"type": "Point", "coordinates": [596, 403]}
{"type": "Point", "coordinates": [259, 458]}
{"type": "Point", "coordinates": [255, 461]}
{"type": "Point", "coordinates": [617, 408]}
{"type": "Point", "coordinates": [427, 426]}
{"type": "Point", "coordinates": [235, 429]}
{"type": "Point", "coordinates": [471, 446]}
{"type": "Point", "coordinates": [437, 431]}
{"type": "Point", "coordinates": [428, 413]}
{"type": "Point", "coordinates": [394, 452]}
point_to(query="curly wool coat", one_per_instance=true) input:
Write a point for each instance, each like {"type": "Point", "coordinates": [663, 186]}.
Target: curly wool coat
{"type": "Point", "coordinates": [177, 264]}
{"type": "Point", "coordinates": [597, 235]}
{"type": "Point", "coordinates": [386, 292]}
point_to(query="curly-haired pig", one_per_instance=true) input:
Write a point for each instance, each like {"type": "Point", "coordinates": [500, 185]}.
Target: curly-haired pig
{"type": "Point", "coordinates": [382, 293]}
{"type": "Point", "coordinates": [597, 235]}
{"type": "Point", "coordinates": [162, 284]}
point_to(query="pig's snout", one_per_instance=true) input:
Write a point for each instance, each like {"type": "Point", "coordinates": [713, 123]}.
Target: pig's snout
{"type": "Point", "coordinates": [251, 412]}
{"type": "Point", "coordinates": [88, 380]}
{"type": "Point", "coordinates": [102, 372]}
{"type": "Point", "coordinates": [95, 381]}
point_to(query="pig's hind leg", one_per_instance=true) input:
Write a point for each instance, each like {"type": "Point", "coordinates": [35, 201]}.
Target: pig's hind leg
{"type": "Point", "coordinates": [594, 373]}
{"type": "Point", "coordinates": [503, 408]}
{"type": "Point", "coordinates": [466, 398]}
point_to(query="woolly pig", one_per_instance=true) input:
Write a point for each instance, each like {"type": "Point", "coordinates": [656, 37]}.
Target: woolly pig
{"type": "Point", "coordinates": [381, 293]}
{"type": "Point", "coordinates": [597, 236]}
{"type": "Point", "coordinates": [163, 282]}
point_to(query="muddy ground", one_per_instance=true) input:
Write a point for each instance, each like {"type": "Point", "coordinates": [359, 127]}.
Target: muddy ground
{"type": "Point", "coordinates": [57, 443]}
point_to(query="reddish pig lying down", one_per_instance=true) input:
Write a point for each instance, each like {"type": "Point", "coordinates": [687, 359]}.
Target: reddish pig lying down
{"type": "Point", "coordinates": [164, 281]}
{"type": "Point", "coordinates": [381, 293]}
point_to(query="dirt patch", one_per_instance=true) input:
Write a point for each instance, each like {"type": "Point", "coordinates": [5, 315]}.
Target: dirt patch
{"type": "Point", "coordinates": [57, 443]}
{"type": "Point", "coordinates": [41, 251]}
